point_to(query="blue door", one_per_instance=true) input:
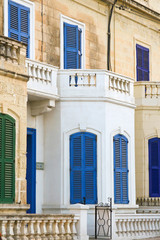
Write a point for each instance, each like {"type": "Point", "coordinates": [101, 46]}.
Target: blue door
{"type": "Point", "coordinates": [31, 169]}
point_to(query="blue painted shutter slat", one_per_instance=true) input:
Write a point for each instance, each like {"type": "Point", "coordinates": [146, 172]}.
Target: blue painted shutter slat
{"type": "Point", "coordinates": [142, 54]}
{"type": "Point", "coordinates": [120, 169]}
{"type": "Point", "coordinates": [154, 167]}
{"type": "Point", "coordinates": [90, 168]}
{"type": "Point", "coordinates": [76, 168]}
{"type": "Point", "coordinates": [72, 46]}
{"type": "Point", "coordinates": [19, 23]}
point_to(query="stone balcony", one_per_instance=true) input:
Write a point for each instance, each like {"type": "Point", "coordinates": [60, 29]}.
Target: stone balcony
{"type": "Point", "coordinates": [147, 93]}
{"type": "Point", "coordinates": [95, 84]}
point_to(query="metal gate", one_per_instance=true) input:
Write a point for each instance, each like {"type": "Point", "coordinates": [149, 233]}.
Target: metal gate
{"type": "Point", "coordinates": [103, 220]}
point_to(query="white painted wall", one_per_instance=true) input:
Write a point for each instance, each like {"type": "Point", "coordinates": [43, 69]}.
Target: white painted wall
{"type": "Point", "coordinates": [103, 109]}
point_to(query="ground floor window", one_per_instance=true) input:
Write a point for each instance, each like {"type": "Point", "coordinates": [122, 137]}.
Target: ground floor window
{"type": "Point", "coordinates": [7, 159]}
{"type": "Point", "coordinates": [120, 144]}
{"type": "Point", "coordinates": [83, 168]}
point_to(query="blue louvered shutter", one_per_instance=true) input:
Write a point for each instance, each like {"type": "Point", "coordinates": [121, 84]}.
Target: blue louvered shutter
{"type": "Point", "coordinates": [72, 46]}
{"type": "Point", "coordinates": [120, 169]}
{"type": "Point", "coordinates": [154, 167]}
{"type": "Point", "coordinates": [90, 161]}
{"type": "Point", "coordinates": [83, 168]}
{"type": "Point", "coordinates": [76, 168]}
{"type": "Point", "coordinates": [142, 63]}
{"type": "Point", "coordinates": [19, 24]}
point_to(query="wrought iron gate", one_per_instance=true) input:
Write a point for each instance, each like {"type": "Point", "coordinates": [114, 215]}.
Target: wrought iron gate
{"type": "Point", "coordinates": [103, 220]}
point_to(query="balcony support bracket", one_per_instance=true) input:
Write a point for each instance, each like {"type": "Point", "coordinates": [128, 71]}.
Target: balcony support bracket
{"type": "Point", "coordinates": [41, 107]}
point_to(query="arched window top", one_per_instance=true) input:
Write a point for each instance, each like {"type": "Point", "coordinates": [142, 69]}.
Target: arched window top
{"type": "Point", "coordinates": [118, 136]}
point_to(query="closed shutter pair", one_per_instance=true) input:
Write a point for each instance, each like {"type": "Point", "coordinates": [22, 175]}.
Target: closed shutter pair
{"type": "Point", "coordinates": [19, 24]}
{"type": "Point", "coordinates": [7, 159]}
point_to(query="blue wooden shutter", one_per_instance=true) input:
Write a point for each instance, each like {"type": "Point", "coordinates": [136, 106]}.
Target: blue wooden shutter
{"type": "Point", "coordinates": [142, 63]}
{"type": "Point", "coordinates": [83, 168]}
{"type": "Point", "coordinates": [19, 23]}
{"type": "Point", "coordinates": [154, 167]}
{"type": "Point", "coordinates": [120, 169]}
{"type": "Point", "coordinates": [72, 46]}
{"type": "Point", "coordinates": [90, 159]}
{"type": "Point", "coordinates": [76, 168]}
{"type": "Point", "coordinates": [7, 159]}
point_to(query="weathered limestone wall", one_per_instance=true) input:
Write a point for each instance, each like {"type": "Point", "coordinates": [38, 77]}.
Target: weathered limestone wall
{"type": "Point", "coordinates": [13, 99]}
{"type": "Point", "coordinates": [92, 13]}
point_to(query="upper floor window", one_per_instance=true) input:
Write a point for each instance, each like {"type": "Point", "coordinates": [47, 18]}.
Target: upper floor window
{"type": "Point", "coordinates": [72, 44]}
{"type": "Point", "coordinates": [142, 67]}
{"type": "Point", "coordinates": [19, 23]}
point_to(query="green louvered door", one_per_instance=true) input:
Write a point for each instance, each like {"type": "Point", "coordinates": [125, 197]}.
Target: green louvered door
{"type": "Point", "coordinates": [7, 159]}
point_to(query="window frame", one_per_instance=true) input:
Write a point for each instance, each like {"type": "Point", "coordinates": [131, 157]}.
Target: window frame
{"type": "Point", "coordinates": [31, 6]}
{"type": "Point", "coordinates": [65, 19]}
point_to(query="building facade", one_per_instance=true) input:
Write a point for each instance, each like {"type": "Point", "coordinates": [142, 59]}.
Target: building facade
{"type": "Point", "coordinates": [80, 133]}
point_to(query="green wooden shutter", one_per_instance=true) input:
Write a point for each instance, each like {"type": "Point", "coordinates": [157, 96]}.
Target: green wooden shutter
{"type": "Point", "coordinates": [7, 159]}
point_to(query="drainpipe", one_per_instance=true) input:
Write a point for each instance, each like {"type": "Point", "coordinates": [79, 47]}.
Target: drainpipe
{"type": "Point", "coordinates": [109, 35]}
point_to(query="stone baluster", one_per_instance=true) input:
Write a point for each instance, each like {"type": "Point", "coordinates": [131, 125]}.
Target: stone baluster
{"type": "Point", "coordinates": [158, 90]}
{"type": "Point", "coordinates": [39, 73]}
{"type": "Point", "coordinates": [10, 232]}
{"type": "Point", "coordinates": [50, 229]}
{"type": "Point", "coordinates": [43, 229]}
{"type": "Point", "coordinates": [4, 229]}
{"type": "Point", "coordinates": [33, 72]}
{"type": "Point", "coordinates": [148, 91]}
{"type": "Point", "coordinates": [128, 87]}
{"type": "Point", "coordinates": [120, 85]}
{"type": "Point", "coordinates": [43, 74]}
{"type": "Point", "coordinates": [110, 82]}
{"type": "Point", "coordinates": [18, 230]}
{"type": "Point", "coordinates": [24, 230]}
{"type": "Point", "coordinates": [47, 76]}
{"type": "Point", "coordinates": [8, 52]}
{"type": "Point", "coordinates": [132, 227]}
{"type": "Point", "coordinates": [68, 229]}
{"type": "Point", "coordinates": [136, 227]}
{"type": "Point", "coordinates": [50, 76]}
{"type": "Point", "coordinates": [86, 80]}
{"type": "Point", "coordinates": [36, 73]}
{"type": "Point", "coordinates": [14, 54]}
{"type": "Point", "coordinates": [56, 229]}
{"type": "Point", "coordinates": [31, 232]}
{"type": "Point", "coordinates": [116, 84]}
{"type": "Point", "coordinates": [2, 50]}
{"type": "Point", "coordinates": [72, 80]}
{"type": "Point", "coordinates": [37, 229]}
{"type": "Point", "coordinates": [154, 90]}
{"type": "Point", "coordinates": [62, 229]}
{"type": "Point", "coordinates": [92, 79]}
{"type": "Point", "coordinates": [73, 229]}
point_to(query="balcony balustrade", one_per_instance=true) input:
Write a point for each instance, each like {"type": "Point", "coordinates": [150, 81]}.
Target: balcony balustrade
{"type": "Point", "coordinates": [42, 80]}
{"type": "Point", "coordinates": [38, 226]}
{"type": "Point", "coordinates": [95, 83]}
{"type": "Point", "coordinates": [147, 93]}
